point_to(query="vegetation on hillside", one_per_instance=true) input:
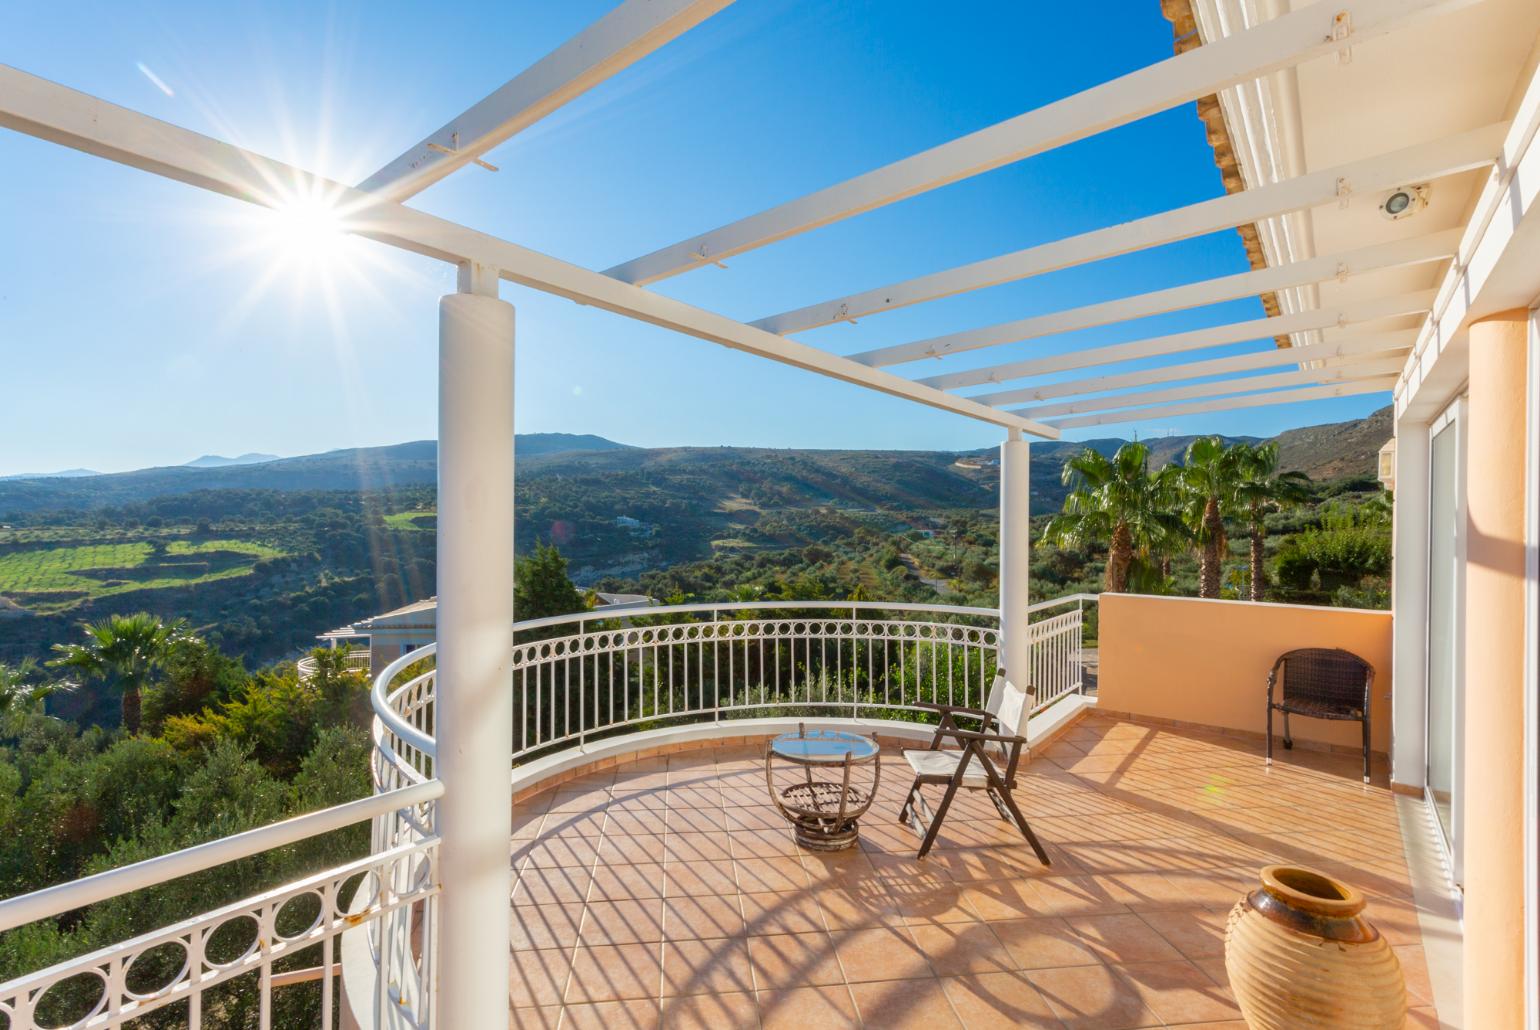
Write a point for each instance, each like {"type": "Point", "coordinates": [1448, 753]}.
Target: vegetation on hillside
{"type": "Point", "coordinates": [218, 750]}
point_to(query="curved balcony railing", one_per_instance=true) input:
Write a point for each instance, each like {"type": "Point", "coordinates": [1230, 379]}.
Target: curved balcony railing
{"type": "Point", "coordinates": [597, 674]}
{"type": "Point", "coordinates": [357, 660]}
{"type": "Point", "coordinates": [588, 675]}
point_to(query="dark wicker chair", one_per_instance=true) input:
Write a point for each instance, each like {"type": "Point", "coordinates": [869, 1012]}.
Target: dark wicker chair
{"type": "Point", "coordinates": [1320, 683]}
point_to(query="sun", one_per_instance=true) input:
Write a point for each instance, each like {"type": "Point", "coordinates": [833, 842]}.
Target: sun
{"type": "Point", "coordinates": [307, 232]}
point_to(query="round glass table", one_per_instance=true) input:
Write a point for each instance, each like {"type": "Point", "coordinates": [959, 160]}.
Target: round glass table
{"type": "Point", "coordinates": [822, 799]}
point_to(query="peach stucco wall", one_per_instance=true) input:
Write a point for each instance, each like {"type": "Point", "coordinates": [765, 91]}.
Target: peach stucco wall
{"type": "Point", "coordinates": [1206, 662]}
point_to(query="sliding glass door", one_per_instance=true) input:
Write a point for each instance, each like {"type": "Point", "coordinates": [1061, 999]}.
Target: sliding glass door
{"type": "Point", "coordinates": [1446, 624]}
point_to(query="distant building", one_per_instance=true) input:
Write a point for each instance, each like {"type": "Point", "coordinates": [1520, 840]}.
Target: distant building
{"type": "Point", "coordinates": [978, 461]}
{"type": "Point", "coordinates": [636, 526]}
{"type": "Point", "coordinates": [391, 634]}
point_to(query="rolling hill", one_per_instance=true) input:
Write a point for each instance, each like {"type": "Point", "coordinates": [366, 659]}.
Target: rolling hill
{"type": "Point", "coordinates": [352, 469]}
{"type": "Point", "coordinates": [705, 476]}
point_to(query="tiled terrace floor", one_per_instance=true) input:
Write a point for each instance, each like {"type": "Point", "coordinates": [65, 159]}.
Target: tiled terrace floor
{"type": "Point", "coordinates": [668, 892]}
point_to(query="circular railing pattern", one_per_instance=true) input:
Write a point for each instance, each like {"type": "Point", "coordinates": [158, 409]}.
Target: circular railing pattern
{"type": "Point", "coordinates": [576, 677]}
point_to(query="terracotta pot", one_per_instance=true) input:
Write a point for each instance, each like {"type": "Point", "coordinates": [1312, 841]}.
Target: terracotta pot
{"type": "Point", "coordinates": [1300, 954]}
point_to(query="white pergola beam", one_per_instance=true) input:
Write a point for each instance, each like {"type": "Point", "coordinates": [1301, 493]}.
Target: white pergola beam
{"type": "Point", "coordinates": [49, 111]}
{"type": "Point", "coordinates": [1478, 148]}
{"type": "Point", "coordinates": [1380, 366]}
{"type": "Point", "coordinates": [1410, 251]}
{"type": "Point", "coordinates": [1279, 43]}
{"type": "Point", "coordinates": [613, 43]}
{"type": "Point", "coordinates": [1415, 303]}
{"type": "Point", "coordinates": [1254, 400]}
{"type": "Point", "coordinates": [1376, 345]}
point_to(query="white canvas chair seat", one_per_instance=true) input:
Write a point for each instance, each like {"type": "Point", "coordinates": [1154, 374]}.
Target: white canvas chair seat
{"type": "Point", "coordinates": [982, 759]}
{"type": "Point", "coordinates": [944, 763]}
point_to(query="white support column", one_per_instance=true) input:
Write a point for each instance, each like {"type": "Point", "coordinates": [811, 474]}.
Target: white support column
{"type": "Point", "coordinates": [474, 715]}
{"type": "Point", "coordinates": [1409, 604]}
{"type": "Point", "coordinates": [1015, 455]}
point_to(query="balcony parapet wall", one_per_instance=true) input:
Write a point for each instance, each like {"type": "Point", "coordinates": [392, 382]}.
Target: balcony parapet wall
{"type": "Point", "coordinates": [1204, 662]}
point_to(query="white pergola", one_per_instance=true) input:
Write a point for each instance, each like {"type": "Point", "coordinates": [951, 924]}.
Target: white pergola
{"type": "Point", "coordinates": [475, 545]}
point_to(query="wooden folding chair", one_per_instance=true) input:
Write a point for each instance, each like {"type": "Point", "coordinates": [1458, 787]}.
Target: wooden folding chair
{"type": "Point", "coordinates": [984, 759]}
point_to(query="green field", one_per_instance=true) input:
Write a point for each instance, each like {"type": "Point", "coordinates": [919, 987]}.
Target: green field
{"type": "Point", "coordinates": [425, 521]}
{"type": "Point", "coordinates": [51, 579]}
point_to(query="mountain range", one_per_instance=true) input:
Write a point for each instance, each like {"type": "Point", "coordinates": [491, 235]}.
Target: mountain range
{"type": "Point", "coordinates": [907, 479]}
{"type": "Point", "coordinates": [215, 461]}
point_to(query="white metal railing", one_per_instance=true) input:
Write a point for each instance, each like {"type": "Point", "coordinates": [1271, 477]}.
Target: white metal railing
{"type": "Point", "coordinates": [575, 676]}
{"type": "Point", "coordinates": [259, 945]}
{"type": "Point", "coordinates": [592, 673]}
{"type": "Point", "coordinates": [357, 660]}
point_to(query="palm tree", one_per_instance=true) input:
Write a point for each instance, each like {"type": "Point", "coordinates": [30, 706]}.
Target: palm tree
{"type": "Point", "coordinates": [127, 648]}
{"type": "Point", "coordinates": [1210, 472]}
{"type": "Point", "coordinates": [1262, 488]}
{"type": "Point", "coordinates": [20, 698]}
{"type": "Point", "coordinates": [1118, 500]}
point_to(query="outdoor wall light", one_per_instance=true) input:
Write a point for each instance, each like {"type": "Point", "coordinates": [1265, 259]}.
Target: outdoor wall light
{"type": "Point", "coordinates": [1404, 202]}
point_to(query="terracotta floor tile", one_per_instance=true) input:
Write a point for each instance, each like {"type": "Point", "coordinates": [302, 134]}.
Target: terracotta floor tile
{"type": "Point", "coordinates": [615, 972]}
{"type": "Point", "coordinates": [691, 879]}
{"type": "Point", "coordinates": [1154, 836]}
{"type": "Point", "coordinates": [771, 843]}
{"type": "Point", "coordinates": [805, 1008]}
{"type": "Point", "coordinates": [696, 847]}
{"type": "Point", "coordinates": [920, 1004]}
{"type": "Point", "coordinates": [699, 793]}
{"type": "Point", "coordinates": [754, 817]}
{"type": "Point", "coordinates": [850, 908]}
{"type": "Point", "coordinates": [1092, 997]}
{"type": "Point", "coordinates": [546, 1018]}
{"type": "Point", "coordinates": [627, 823]}
{"type": "Point", "coordinates": [632, 1014]}
{"type": "Point", "coordinates": [850, 867]}
{"type": "Point", "coordinates": [789, 912]}
{"type": "Point", "coordinates": [932, 903]}
{"type": "Point", "coordinates": [627, 882]}
{"type": "Point", "coordinates": [643, 848]}
{"type": "Point", "coordinates": [1043, 943]}
{"type": "Point", "coordinates": [1001, 862]}
{"type": "Point", "coordinates": [697, 820]}
{"type": "Point", "coordinates": [998, 1001]}
{"type": "Point", "coordinates": [1003, 899]}
{"type": "Point", "coordinates": [538, 978]}
{"type": "Point", "coordinates": [956, 948]}
{"type": "Point", "coordinates": [880, 953]}
{"type": "Point", "coordinates": [780, 874]}
{"type": "Point", "coordinates": [711, 1012]}
{"type": "Point", "coordinates": [1414, 968]}
{"type": "Point", "coordinates": [702, 917]}
{"type": "Point", "coordinates": [623, 922]}
{"type": "Point", "coordinates": [526, 821]}
{"type": "Point", "coordinates": [706, 967]}
{"type": "Point", "coordinates": [1069, 896]}
{"type": "Point", "coordinates": [794, 960]}
{"type": "Point", "coordinates": [903, 865]}
{"type": "Point", "coordinates": [1396, 920]}
{"type": "Point", "coordinates": [1195, 932]}
{"type": "Point", "coordinates": [1178, 992]}
{"type": "Point", "coordinates": [545, 926]}
{"type": "Point", "coordinates": [554, 852]}
{"type": "Point", "coordinates": [638, 796]}
{"type": "Point", "coordinates": [547, 886]}
{"type": "Point", "coordinates": [1214, 969]}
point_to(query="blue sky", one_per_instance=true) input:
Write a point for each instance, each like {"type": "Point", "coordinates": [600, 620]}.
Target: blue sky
{"type": "Point", "coordinates": [144, 322]}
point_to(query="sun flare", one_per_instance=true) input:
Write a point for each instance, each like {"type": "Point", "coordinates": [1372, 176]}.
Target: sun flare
{"type": "Point", "coordinates": [307, 232]}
